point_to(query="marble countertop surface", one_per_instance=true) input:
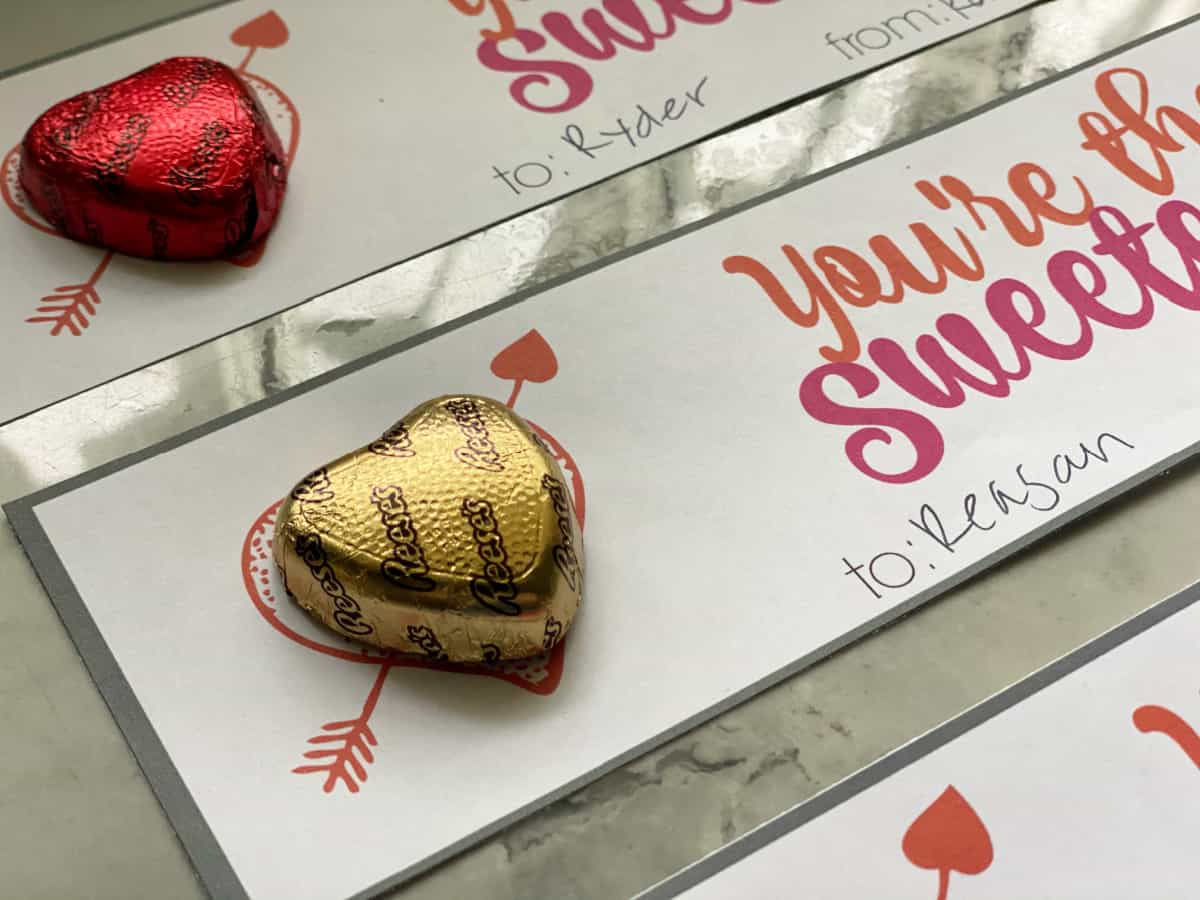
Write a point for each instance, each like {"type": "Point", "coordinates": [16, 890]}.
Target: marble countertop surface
{"type": "Point", "coordinates": [78, 820]}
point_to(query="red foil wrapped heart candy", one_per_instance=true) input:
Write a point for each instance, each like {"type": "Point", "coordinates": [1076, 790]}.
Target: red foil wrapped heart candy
{"type": "Point", "coordinates": [177, 161]}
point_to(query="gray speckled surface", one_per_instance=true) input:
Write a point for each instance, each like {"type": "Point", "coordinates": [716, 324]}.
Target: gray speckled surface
{"type": "Point", "coordinates": [78, 820]}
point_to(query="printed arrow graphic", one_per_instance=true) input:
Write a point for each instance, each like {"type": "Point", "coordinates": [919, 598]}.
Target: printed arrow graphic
{"type": "Point", "coordinates": [1150, 718]}
{"type": "Point", "coordinates": [268, 30]}
{"type": "Point", "coordinates": [948, 837]}
{"type": "Point", "coordinates": [528, 358]}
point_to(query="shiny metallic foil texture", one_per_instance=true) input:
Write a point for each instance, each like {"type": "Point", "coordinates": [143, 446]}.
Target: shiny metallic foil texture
{"type": "Point", "coordinates": [177, 161]}
{"type": "Point", "coordinates": [452, 536]}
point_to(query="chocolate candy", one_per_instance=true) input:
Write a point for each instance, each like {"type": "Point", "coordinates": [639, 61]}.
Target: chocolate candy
{"type": "Point", "coordinates": [452, 536]}
{"type": "Point", "coordinates": [177, 161]}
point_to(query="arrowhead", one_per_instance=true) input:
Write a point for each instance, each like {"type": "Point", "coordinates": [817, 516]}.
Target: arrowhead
{"type": "Point", "coordinates": [529, 358]}
{"type": "Point", "coordinates": [268, 30]}
{"type": "Point", "coordinates": [949, 836]}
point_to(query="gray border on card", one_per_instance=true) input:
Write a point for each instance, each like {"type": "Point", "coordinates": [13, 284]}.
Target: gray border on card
{"type": "Point", "coordinates": [869, 776]}
{"type": "Point", "coordinates": [763, 113]}
{"type": "Point", "coordinates": [210, 861]}
{"type": "Point", "coordinates": [113, 38]}
{"type": "Point", "coordinates": [215, 871]}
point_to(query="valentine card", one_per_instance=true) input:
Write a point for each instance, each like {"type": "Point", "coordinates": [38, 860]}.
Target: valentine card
{"type": "Point", "coordinates": [780, 429]}
{"type": "Point", "coordinates": [1076, 782]}
{"type": "Point", "coordinates": [401, 127]}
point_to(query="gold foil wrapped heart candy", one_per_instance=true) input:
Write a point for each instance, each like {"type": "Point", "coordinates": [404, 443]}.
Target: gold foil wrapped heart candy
{"type": "Point", "coordinates": [451, 536]}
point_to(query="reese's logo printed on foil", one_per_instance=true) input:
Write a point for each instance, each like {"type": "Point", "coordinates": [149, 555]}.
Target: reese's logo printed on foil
{"type": "Point", "coordinates": [315, 488]}
{"type": "Point", "coordinates": [189, 180]}
{"type": "Point", "coordinates": [406, 567]}
{"type": "Point", "coordinates": [564, 551]}
{"type": "Point", "coordinates": [395, 442]}
{"type": "Point", "coordinates": [479, 451]}
{"type": "Point", "coordinates": [495, 589]}
{"type": "Point", "coordinates": [80, 119]}
{"type": "Point", "coordinates": [116, 167]}
{"type": "Point", "coordinates": [182, 92]}
{"type": "Point", "coordinates": [423, 637]}
{"type": "Point", "coordinates": [346, 613]}
{"type": "Point", "coordinates": [552, 634]}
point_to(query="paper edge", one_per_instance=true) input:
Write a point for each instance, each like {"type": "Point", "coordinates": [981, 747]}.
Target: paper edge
{"type": "Point", "coordinates": [209, 861]}
{"type": "Point", "coordinates": [901, 758]}
{"type": "Point", "coordinates": [764, 113]}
